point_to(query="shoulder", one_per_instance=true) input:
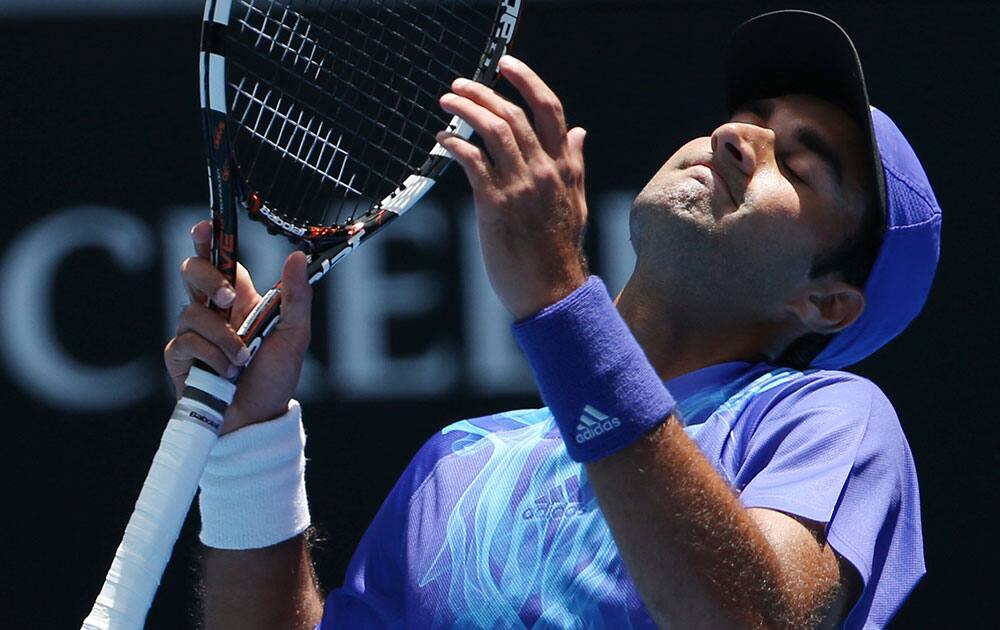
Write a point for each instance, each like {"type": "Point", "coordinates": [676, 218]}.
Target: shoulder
{"type": "Point", "coordinates": [822, 413]}
{"type": "Point", "coordinates": [829, 397]}
{"type": "Point", "coordinates": [465, 433]}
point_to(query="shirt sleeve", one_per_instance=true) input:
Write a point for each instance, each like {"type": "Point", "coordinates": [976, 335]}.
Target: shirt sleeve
{"type": "Point", "coordinates": [832, 451]}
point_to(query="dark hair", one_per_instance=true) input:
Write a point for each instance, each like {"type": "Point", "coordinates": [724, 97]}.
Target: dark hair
{"type": "Point", "coordinates": [852, 259]}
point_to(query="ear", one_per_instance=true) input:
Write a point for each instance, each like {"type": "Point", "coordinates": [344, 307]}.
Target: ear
{"type": "Point", "coordinates": [827, 306]}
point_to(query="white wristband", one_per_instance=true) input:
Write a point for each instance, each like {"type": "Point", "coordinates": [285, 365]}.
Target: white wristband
{"type": "Point", "coordinates": [253, 490]}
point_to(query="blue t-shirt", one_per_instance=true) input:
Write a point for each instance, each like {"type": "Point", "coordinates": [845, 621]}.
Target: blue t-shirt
{"type": "Point", "coordinates": [493, 525]}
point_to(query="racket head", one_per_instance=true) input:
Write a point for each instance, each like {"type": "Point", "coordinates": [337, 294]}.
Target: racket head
{"type": "Point", "coordinates": [329, 108]}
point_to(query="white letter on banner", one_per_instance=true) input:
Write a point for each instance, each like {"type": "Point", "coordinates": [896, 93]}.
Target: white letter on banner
{"type": "Point", "coordinates": [30, 347]}
{"type": "Point", "coordinates": [496, 364]}
{"type": "Point", "coordinates": [363, 297]}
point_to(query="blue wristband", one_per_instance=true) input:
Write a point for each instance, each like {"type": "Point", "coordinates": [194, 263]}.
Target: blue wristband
{"type": "Point", "coordinates": [592, 374]}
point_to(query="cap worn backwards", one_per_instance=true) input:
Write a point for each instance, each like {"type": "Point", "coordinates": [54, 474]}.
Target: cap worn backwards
{"type": "Point", "coordinates": [798, 51]}
{"type": "Point", "coordinates": [901, 277]}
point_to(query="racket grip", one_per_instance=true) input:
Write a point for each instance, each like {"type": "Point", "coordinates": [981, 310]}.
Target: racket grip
{"type": "Point", "coordinates": [162, 505]}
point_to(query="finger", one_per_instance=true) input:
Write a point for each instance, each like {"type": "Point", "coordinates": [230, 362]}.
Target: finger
{"type": "Point", "coordinates": [246, 295]}
{"type": "Point", "coordinates": [575, 167]}
{"type": "Point", "coordinates": [524, 134]}
{"type": "Point", "coordinates": [471, 158]}
{"type": "Point", "coordinates": [574, 141]}
{"type": "Point", "coordinates": [550, 121]}
{"type": "Point", "coordinates": [201, 235]}
{"type": "Point", "coordinates": [495, 131]}
{"type": "Point", "coordinates": [195, 296]}
{"type": "Point", "coordinates": [296, 294]}
{"type": "Point", "coordinates": [199, 275]}
{"type": "Point", "coordinates": [208, 325]}
{"type": "Point", "coordinates": [183, 349]}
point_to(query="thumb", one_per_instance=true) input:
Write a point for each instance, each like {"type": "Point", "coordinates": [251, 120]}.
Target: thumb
{"type": "Point", "coordinates": [296, 294]}
{"type": "Point", "coordinates": [574, 138]}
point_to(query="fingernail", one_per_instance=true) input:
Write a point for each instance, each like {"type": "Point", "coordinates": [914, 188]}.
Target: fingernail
{"type": "Point", "coordinates": [197, 235]}
{"type": "Point", "coordinates": [459, 83]}
{"type": "Point", "coordinates": [224, 296]}
{"type": "Point", "coordinates": [232, 371]}
{"type": "Point", "coordinates": [506, 61]}
{"type": "Point", "coordinates": [243, 356]}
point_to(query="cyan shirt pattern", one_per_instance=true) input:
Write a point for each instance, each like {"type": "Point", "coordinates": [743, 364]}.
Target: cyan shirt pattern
{"type": "Point", "coordinates": [492, 525]}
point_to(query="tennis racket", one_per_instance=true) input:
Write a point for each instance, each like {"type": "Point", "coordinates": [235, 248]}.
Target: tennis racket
{"type": "Point", "coordinates": [319, 120]}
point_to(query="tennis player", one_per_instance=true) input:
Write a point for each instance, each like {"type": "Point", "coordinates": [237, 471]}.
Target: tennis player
{"type": "Point", "coordinates": [702, 461]}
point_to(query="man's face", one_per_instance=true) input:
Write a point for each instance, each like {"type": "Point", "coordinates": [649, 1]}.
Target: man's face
{"type": "Point", "coordinates": [739, 217]}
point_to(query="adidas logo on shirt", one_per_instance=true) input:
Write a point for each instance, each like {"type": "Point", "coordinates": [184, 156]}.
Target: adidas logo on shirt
{"type": "Point", "coordinates": [593, 423]}
{"type": "Point", "coordinates": [565, 500]}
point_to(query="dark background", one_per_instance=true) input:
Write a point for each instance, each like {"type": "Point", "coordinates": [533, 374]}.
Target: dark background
{"type": "Point", "coordinates": [102, 110]}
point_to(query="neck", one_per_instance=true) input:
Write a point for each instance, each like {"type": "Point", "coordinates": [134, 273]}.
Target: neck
{"type": "Point", "coordinates": [680, 337]}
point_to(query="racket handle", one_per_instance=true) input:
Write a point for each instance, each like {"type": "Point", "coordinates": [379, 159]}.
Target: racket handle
{"type": "Point", "coordinates": [163, 504]}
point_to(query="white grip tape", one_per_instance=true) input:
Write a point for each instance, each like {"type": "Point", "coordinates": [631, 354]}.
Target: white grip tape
{"type": "Point", "coordinates": [211, 384]}
{"type": "Point", "coordinates": [156, 521]}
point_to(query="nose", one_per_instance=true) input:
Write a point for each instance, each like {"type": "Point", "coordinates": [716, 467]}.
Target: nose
{"type": "Point", "coordinates": [742, 145]}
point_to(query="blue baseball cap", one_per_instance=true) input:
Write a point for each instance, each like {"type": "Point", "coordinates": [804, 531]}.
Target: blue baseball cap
{"type": "Point", "coordinates": [795, 51]}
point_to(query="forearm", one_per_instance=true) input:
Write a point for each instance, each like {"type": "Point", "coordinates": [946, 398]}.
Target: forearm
{"type": "Point", "coordinates": [273, 587]}
{"type": "Point", "coordinates": [255, 519]}
{"type": "Point", "coordinates": [696, 556]}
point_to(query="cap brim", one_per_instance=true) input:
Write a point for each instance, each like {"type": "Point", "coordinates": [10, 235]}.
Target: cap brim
{"type": "Point", "coordinates": [801, 52]}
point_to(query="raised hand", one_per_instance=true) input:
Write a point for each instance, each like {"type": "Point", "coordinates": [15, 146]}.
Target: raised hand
{"type": "Point", "coordinates": [269, 382]}
{"type": "Point", "coordinates": [528, 188]}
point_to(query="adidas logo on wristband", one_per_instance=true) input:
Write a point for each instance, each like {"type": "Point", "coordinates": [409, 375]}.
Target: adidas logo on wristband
{"type": "Point", "coordinates": [593, 423]}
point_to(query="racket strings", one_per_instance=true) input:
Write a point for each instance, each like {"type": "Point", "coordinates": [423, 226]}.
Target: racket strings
{"type": "Point", "coordinates": [340, 103]}
{"type": "Point", "coordinates": [373, 70]}
{"type": "Point", "coordinates": [324, 164]}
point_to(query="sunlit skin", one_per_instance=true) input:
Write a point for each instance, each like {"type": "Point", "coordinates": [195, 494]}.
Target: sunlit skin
{"type": "Point", "coordinates": [725, 234]}
{"type": "Point", "coordinates": [722, 273]}
{"type": "Point", "coordinates": [727, 230]}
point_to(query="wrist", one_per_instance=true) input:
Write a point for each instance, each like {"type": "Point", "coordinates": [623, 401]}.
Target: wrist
{"type": "Point", "coordinates": [253, 487]}
{"type": "Point", "coordinates": [237, 417]}
{"type": "Point", "coordinates": [551, 293]}
{"type": "Point", "coordinates": [592, 373]}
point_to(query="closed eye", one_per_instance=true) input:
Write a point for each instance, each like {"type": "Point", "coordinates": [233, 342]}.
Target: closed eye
{"type": "Point", "coordinates": [783, 162]}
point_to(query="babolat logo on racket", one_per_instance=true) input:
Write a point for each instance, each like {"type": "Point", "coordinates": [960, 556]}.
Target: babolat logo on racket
{"type": "Point", "coordinates": [593, 423]}
{"type": "Point", "coordinates": [206, 420]}
{"type": "Point", "coordinates": [290, 227]}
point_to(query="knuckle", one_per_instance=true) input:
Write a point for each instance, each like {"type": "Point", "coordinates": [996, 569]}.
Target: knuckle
{"type": "Point", "coordinates": [513, 112]}
{"type": "Point", "coordinates": [571, 172]}
{"type": "Point", "coordinates": [553, 106]}
{"type": "Point", "coordinates": [500, 129]}
{"type": "Point", "coordinates": [548, 178]}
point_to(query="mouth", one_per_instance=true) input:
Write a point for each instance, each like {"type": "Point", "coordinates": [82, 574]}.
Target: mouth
{"type": "Point", "coordinates": [714, 181]}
